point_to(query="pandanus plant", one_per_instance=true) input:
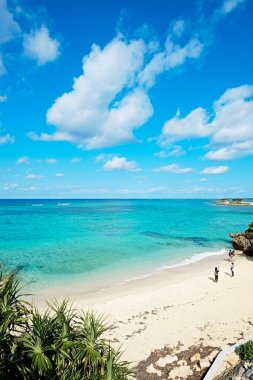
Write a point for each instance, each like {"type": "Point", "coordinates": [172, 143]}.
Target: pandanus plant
{"type": "Point", "coordinates": [59, 343]}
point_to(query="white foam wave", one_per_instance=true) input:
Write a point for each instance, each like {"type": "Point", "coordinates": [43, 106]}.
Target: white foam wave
{"type": "Point", "coordinates": [63, 204]}
{"type": "Point", "coordinates": [193, 259]}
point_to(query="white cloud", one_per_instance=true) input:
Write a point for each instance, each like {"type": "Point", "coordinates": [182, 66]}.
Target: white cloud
{"type": "Point", "coordinates": [7, 139]}
{"type": "Point", "coordinates": [59, 175]}
{"type": "Point", "coordinates": [3, 98]}
{"type": "Point", "coordinates": [174, 55]}
{"type": "Point", "coordinates": [203, 180]}
{"type": "Point", "coordinates": [8, 26]}
{"type": "Point", "coordinates": [230, 5]}
{"type": "Point", "coordinates": [121, 163]}
{"type": "Point", "coordinates": [173, 168]}
{"type": "Point", "coordinates": [10, 186]}
{"type": "Point", "coordinates": [31, 188]}
{"type": "Point", "coordinates": [215, 170]}
{"type": "Point", "coordinates": [22, 160]}
{"type": "Point", "coordinates": [176, 151]}
{"type": "Point", "coordinates": [33, 176]}
{"type": "Point", "coordinates": [38, 45]}
{"type": "Point", "coordinates": [193, 125]}
{"type": "Point", "coordinates": [228, 125]}
{"type": "Point", "coordinates": [110, 100]}
{"type": "Point", "coordinates": [8, 29]}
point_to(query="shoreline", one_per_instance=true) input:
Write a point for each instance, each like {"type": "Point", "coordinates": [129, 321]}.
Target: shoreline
{"type": "Point", "coordinates": [78, 287]}
{"type": "Point", "coordinates": [181, 304]}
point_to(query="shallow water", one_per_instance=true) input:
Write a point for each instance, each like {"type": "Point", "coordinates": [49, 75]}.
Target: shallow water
{"type": "Point", "coordinates": [59, 241]}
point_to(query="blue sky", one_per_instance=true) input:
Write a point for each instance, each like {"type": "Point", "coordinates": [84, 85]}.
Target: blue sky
{"type": "Point", "coordinates": [126, 99]}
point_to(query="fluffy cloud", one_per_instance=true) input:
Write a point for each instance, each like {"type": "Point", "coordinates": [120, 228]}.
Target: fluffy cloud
{"type": "Point", "coordinates": [7, 139]}
{"type": "Point", "coordinates": [193, 125]}
{"type": "Point", "coordinates": [230, 5]}
{"type": "Point", "coordinates": [215, 170]}
{"type": "Point", "coordinates": [110, 99]}
{"type": "Point", "coordinates": [228, 125]}
{"type": "Point", "coordinates": [59, 175]}
{"type": "Point", "coordinates": [8, 29]}
{"type": "Point", "coordinates": [38, 45]}
{"type": "Point", "coordinates": [22, 160]}
{"type": "Point", "coordinates": [121, 163]}
{"type": "Point", "coordinates": [176, 151]}
{"type": "Point", "coordinates": [173, 168]}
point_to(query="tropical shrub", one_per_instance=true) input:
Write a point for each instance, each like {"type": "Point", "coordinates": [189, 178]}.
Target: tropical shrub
{"type": "Point", "coordinates": [245, 351]}
{"type": "Point", "coordinates": [59, 343]}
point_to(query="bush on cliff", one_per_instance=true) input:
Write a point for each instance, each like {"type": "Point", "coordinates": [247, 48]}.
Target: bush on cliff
{"type": "Point", "coordinates": [56, 344]}
{"type": "Point", "coordinates": [245, 351]}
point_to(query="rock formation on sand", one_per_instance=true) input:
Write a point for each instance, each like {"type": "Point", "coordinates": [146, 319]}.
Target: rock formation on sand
{"type": "Point", "coordinates": [243, 241]}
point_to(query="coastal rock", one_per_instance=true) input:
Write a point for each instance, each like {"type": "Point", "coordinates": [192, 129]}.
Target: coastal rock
{"type": "Point", "coordinates": [204, 363]}
{"type": "Point", "coordinates": [242, 243]}
{"type": "Point", "coordinates": [182, 362]}
{"type": "Point", "coordinates": [151, 369]}
{"type": "Point", "coordinates": [223, 367]}
{"type": "Point", "coordinates": [213, 355]}
{"type": "Point", "coordinates": [195, 358]}
{"type": "Point", "coordinates": [180, 372]}
{"type": "Point", "coordinates": [233, 359]}
{"type": "Point", "coordinates": [168, 359]}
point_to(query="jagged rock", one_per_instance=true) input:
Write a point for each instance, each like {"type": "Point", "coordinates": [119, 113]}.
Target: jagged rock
{"type": "Point", "coordinates": [242, 243]}
{"type": "Point", "coordinates": [248, 374]}
{"type": "Point", "coordinates": [238, 371]}
{"type": "Point", "coordinates": [162, 362]}
{"type": "Point", "coordinates": [204, 363]}
{"type": "Point", "coordinates": [180, 372]}
{"type": "Point", "coordinates": [182, 362]}
{"type": "Point", "coordinates": [195, 358]}
{"type": "Point", "coordinates": [151, 369]}
{"type": "Point", "coordinates": [223, 367]}
{"type": "Point", "coordinates": [233, 359]}
{"type": "Point", "coordinates": [213, 355]}
{"type": "Point", "coordinates": [196, 368]}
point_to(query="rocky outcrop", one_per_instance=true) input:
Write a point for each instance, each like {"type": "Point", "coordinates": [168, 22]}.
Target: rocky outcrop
{"type": "Point", "coordinates": [242, 243]}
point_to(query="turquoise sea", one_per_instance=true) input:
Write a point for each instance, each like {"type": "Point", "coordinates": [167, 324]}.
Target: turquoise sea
{"type": "Point", "coordinates": [52, 242]}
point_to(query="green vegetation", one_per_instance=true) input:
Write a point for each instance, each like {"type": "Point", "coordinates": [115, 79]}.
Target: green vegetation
{"type": "Point", "coordinates": [56, 344]}
{"type": "Point", "coordinates": [245, 351]}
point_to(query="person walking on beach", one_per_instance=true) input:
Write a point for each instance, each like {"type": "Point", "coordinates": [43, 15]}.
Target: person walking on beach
{"type": "Point", "coordinates": [232, 269]}
{"type": "Point", "coordinates": [216, 274]}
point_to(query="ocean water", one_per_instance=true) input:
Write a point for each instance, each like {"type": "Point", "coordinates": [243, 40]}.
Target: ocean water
{"type": "Point", "coordinates": [54, 242]}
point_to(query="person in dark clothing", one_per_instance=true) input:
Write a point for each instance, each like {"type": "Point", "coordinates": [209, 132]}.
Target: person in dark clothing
{"type": "Point", "coordinates": [232, 268]}
{"type": "Point", "coordinates": [216, 274]}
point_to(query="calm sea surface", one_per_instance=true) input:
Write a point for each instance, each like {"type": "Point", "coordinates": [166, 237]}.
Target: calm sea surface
{"type": "Point", "coordinates": [53, 242]}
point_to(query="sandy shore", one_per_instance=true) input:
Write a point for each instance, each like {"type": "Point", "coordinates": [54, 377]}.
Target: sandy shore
{"type": "Point", "coordinates": [176, 305]}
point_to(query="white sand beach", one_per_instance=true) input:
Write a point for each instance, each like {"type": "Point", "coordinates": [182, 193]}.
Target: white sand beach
{"type": "Point", "coordinates": [176, 305]}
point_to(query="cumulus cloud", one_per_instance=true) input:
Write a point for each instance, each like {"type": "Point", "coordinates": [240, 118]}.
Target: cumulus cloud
{"type": "Point", "coordinates": [33, 176]}
{"type": "Point", "coordinates": [109, 100]}
{"type": "Point", "coordinates": [38, 45]}
{"type": "Point", "coordinates": [7, 139]}
{"type": "Point", "coordinates": [173, 168]}
{"type": "Point", "coordinates": [8, 29]}
{"type": "Point", "coordinates": [230, 5]}
{"type": "Point", "coordinates": [228, 126]}
{"type": "Point", "coordinates": [22, 160]}
{"type": "Point", "coordinates": [121, 163]}
{"type": "Point", "coordinates": [10, 186]}
{"type": "Point", "coordinates": [176, 151]}
{"type": "Point", "coordinates": [59, 175]}
{"type": "Point", "coordinates": [215, 170]}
